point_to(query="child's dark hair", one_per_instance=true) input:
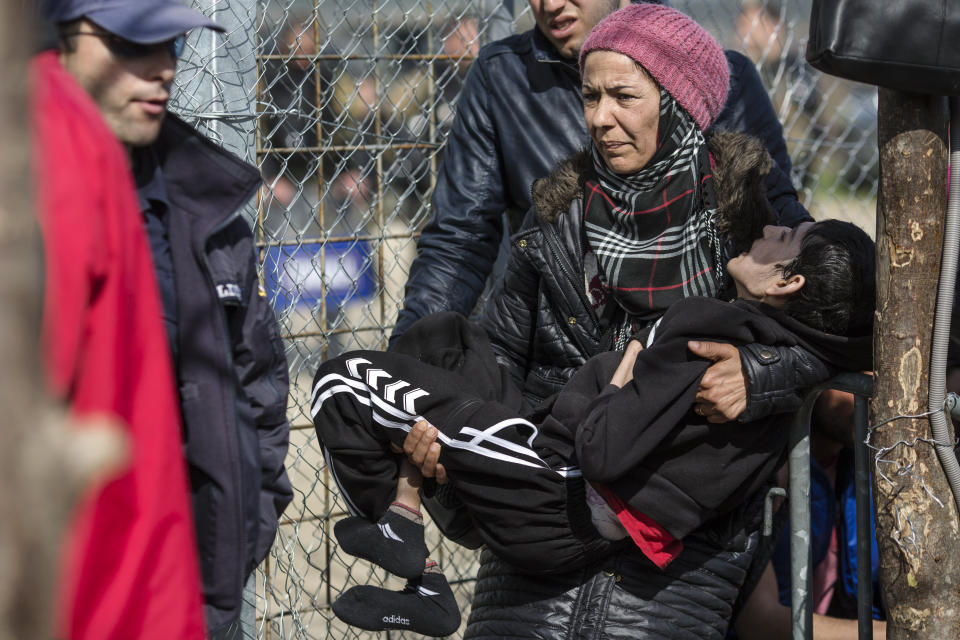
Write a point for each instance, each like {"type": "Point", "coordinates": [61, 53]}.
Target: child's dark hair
{"type": "Point", "coordinates": [838, 262]}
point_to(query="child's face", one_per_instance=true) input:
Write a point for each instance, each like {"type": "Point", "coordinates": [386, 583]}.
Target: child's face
{"type": "Point", "coordinates": [755, 271]}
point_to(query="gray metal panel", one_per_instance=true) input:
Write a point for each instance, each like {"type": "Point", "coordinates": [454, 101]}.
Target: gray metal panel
{"type": "Point", "coordinates": [215, 88]}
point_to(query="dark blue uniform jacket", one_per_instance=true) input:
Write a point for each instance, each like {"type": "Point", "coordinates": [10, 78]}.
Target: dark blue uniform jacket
{"type": "Point", "coordinates": [231, 369]}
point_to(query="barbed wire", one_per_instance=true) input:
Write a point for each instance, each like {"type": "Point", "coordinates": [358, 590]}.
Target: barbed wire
{"type": "Point", "coordinates": [902, 471]}
{"type": "Point", "coordinates": [880, 452]}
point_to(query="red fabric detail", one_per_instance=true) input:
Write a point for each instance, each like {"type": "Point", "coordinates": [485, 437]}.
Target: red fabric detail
{"type": "Point", "coordinates": [406, 508]}
{"type": "Point", "coordinates": [654, 541]}
{"type": "Point", "coordinates": [653, 267]}
{"type": "Point", "coordinates": [598, 292]}
{"type": "Point", "coordinates": [594, 190]}
{"type": "Point", "coordinates": [130, 567]}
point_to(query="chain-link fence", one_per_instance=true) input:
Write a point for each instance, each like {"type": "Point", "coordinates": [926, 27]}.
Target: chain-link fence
{"type": "Point", "coordinates": [344, 105]}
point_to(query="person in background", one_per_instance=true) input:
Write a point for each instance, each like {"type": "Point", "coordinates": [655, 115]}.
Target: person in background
{"type": "Point", "coordinates": [831, 123]}
{"type": "Point", "coordinates": [300, 87]}
{"type": "Point", "coordinates": [225, 343]}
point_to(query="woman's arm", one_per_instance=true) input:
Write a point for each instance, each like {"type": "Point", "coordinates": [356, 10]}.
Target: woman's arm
{"type": "Point", "coordinates": [755, 381]}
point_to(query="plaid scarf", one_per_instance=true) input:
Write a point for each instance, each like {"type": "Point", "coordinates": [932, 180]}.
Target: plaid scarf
{"type": "Point", "coordinates": [653, 231]}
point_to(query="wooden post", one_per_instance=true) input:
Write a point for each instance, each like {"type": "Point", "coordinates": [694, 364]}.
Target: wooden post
{"type": "Point", "coordinates": [25, 576]}
{"type": "Point", "coordinates": [917, 526]}
{"type": "Point", "coordinates": [43, 464]}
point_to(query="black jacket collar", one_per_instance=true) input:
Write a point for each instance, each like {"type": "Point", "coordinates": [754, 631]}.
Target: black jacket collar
{"type": "Point", "coordinates": [544, 51]}
{"type": "Point", "coordinates": [203, 180]}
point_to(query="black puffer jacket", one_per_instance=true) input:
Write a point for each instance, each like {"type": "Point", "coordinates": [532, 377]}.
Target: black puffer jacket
{"type": "Point", "coordinates": [541, 324]}
{"type": "Point", "coordinates": [626, 597]}
{"type": "Point", "coordinates": [519, 115]}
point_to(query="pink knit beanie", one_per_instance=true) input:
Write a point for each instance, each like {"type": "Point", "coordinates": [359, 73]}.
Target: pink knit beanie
{"type": "Point", "coordinates": [676, 51]}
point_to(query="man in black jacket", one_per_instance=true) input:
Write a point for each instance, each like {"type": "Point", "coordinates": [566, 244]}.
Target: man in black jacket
{"type": "Point", "coordinates": [227, 351]}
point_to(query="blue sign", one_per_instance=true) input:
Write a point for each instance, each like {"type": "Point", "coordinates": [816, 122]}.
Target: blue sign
{"type": "Point", "coordinates": [301, 276]}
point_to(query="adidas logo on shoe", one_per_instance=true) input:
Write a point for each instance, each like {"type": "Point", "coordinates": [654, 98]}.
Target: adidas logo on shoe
{"type": "Point", "coordinates": [430, 611]}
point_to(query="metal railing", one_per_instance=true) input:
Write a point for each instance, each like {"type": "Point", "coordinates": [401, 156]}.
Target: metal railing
{"type": "Point", "coordinates": [801, 562]}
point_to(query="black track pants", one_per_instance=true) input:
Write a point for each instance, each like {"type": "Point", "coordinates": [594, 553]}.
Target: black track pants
{"type": "Point", "coordinates": [527, 506]}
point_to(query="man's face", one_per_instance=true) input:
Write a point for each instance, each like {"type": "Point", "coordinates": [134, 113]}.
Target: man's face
{"type": "Point", "coordinates": [131, 91]}
{"type": "Point", "coordinates": [300, 40]}
{"type": "Point", "coordinates": [462, 44]}
{"type": "Point", "coordinates": [566, 23]}
{"type": "Point", "coordinates": [761, 33]}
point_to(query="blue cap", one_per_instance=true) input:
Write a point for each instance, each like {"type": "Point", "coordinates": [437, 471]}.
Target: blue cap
{"type": "Point", "coordinates": [142, 21]}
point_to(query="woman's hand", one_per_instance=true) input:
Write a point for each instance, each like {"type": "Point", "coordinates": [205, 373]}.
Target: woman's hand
{"type": "Point", "coordinates": [624, 372]}
{"type": "Point", "coordinates": [722, 395]}
{"type": "Point", "coordinates": [423, 451]}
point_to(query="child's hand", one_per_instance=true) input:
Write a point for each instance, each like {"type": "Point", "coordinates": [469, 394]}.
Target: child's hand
{"type": "Point", "coordinates": [423, 451]}
{"type": "Point", "coordinates": [624, 372]}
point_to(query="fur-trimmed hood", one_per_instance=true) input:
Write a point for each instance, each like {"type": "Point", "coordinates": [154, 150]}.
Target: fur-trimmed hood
{"type": "Point", "coordinates": [741, 165]}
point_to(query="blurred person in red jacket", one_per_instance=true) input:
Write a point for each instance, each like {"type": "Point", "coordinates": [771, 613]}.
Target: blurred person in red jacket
{"type": "Point", "coordinates": [227, 353]}
{"type": "Point", "coordinates": [130, 567]}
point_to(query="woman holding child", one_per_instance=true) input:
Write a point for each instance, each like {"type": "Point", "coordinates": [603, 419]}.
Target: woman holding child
{"type": "Point", "coordinates": [586, 274]}
{"type": "Point", "coordinates": [619, 234]}
{"type": "Point", "coordinates": [649, 215]}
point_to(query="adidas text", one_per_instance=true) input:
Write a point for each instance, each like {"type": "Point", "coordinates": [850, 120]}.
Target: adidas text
{"type": "Point", "coordinates": [395, 619]}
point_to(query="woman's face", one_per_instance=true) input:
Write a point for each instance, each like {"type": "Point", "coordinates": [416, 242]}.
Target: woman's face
{"type": "Point", "coordinates": [621, 104]}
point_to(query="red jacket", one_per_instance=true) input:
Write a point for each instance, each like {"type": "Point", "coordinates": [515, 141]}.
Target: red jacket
{"type": "Point", "coordinates": [130, 564]}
